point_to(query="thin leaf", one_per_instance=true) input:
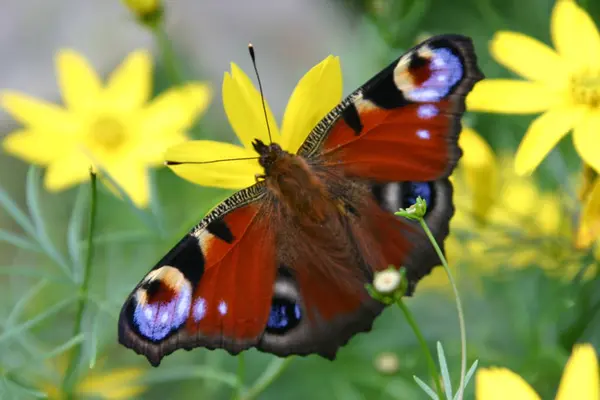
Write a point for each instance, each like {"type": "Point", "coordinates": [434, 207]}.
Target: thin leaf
{"type": "Point", "coordinates": [444, 370]}
{"type": "Point", "coordinates": [29, 391]}
{"type": "Point", "coordinates": [56, 308]}
{"type": "Point", "coordinates": [74, 232]}
{"type": "Point", "coordinates": [18, 241]}
{"type": "Point", "coordinates": [425, 388]}
{"type": "Point", "coordinates": [29, 271]}
{"type": "Point", "coordinates": [145, 217]}
{"type": "Point", "coordinates": [15, 212]}
{"type": "Point", "coordinates": [20, 305]}
{"type": "Point", "coordinates": [468, 376]}
{"type": "Point", "coordinates": [33, 204]}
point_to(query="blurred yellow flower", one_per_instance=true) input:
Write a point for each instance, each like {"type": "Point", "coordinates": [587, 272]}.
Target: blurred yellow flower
{"type": "Point", "coordinates": [563, 84]}
{"type": "Point", "coordinates": [589, 221]}
{"type": "Point", "coordinates": [317, 93]}
{"type": "Point", "coordinates": [505, 220]}
{"type": "Point", "coordinates": [116, 384]}
{"type": "Point", "coordinates": [143, 8]}
{"type": "Point", "coordinates": [579, 381]}
{"type": "Point", "coordinates": [113, 127]}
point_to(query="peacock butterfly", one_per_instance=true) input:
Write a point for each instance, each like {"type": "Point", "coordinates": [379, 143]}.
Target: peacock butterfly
{"type": "Point", "coordinates": [282, 265]}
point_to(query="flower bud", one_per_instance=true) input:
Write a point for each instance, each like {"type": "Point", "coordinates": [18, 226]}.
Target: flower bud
{"type": "Point", "coordinates": [415, 212]}
{"type": "Point", "coordinates": [388, 285]}
{"type": "Point", "coordinates": [149, 12]}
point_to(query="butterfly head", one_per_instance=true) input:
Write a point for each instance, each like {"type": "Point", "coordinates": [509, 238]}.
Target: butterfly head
{"type": "Point", "coordinates": [269, 154]}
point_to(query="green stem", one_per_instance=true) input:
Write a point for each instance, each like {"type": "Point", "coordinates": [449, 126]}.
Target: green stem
{"type": "Point", "coordinates": [76, 355]}
{"type": "Point", "coordinates": [271, 373]}
{"type": "Point", "coordinates": [241, 374]}
{"type": "Point", "coordinates": [430, 362]}
{"type": "Point", "coordinates": [169, 58]}
{"type": "Point", "coordinates": [461, 317]}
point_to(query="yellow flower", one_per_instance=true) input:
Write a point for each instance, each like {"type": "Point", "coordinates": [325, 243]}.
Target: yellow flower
{"type": "Point", "coordinates": [116, 384]}
{"type": "Point", "coordinates": [144, 8]}
{"type": "Point", "coordinates": [579, 381]}
{"type": "Point", "coordinates": [589, 221]}
{"type": "Point", "coordinates": [113, 126]}
{"type": "Point", "coordinates": [319, 91]}
{"type": "Point", "coordinates": [564, 84]}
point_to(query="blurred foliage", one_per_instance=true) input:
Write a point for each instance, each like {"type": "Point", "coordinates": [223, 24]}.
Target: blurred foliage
{"type": "Point", "coordinates": [526, 318]}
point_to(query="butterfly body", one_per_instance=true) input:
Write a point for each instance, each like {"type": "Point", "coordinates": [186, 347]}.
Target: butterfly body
{"type": "Point", "coordinates": [282, 265]}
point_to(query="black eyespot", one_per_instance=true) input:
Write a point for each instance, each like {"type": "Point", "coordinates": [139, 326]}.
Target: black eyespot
{"type": "Point", "coordinates": [285, 315]}
{"type": "Point", "coordinates": [412, 190]}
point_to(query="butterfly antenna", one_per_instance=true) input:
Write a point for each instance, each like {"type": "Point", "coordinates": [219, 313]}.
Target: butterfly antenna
{"type": "Point", "coordinates": [209, 162]}
{"type": "Point", "coordinates": [262, 96]}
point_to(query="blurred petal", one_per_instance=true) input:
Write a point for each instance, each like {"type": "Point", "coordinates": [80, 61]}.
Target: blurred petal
{"type": "Point", "coordinates": [244, 109]}
{"type": "Point", "coordinates": [38, 114]}
{"type": "Point", "coordinates": [78, 82]}
{"type": "Point", "coordinates": [511, 97]}
{"type": "Point", "coordinates": [580, 378]}
{"type": "Point", "coordinates": [114, 385]}
{"type": "Point", "coordinates": [153, 151]}
{"type": "Point", "coordinates": [588, 179]}
{"type": "Point", "coordinates": [35, 147]}
{"type": "Point", "coordinates": [174, 110]}
{"type": "Point", "coordinates": [575, 35]}
{"type": "Point", "coordinates": [130, 84]}
{"type": "Point", "coordinates": [543, 134]}
{"type": "Point", "coordinates": [502, 384]}
{"type": "Point", "coordinates": [586, 138]}
{"type": "Point", "coordinates": [133, 179]}
{"type": "Point", "coordinates": [480, 170]}
{"type": "Point", "coordinates": [589, 222]}
{"type": "Point", "coordinates": [317, 93]}
{"type": "Point", "coordinates": [67, 171]}
{"type": "Point", "coordinates": [235, 174]}
{"type": "Point", "coordinates": [529, 58]}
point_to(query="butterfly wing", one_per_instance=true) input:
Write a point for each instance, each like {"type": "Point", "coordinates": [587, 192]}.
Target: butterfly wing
{"type": "Point", "coordinates": [213, 289]}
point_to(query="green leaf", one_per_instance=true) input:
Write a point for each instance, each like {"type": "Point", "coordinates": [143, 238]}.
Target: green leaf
{"type": "Point", "coordinates": [15, 212]}
{"type": "Point", "coordinates": [74, 232]}
{"type": "Point", "coordinates": [33, 204]}
{"type": "Point", "coordinates": [426, 388]}
{"type": "Point", "coordinates": [55, 309]}
{"type": "Point", "coordinates": [18, 241]}
{"type": "Point", "coordinates": [468, 376]}
{"type": "Point", "coordinates": [444, 370]}
{"type": "Point", "coordinates": [20, 305]}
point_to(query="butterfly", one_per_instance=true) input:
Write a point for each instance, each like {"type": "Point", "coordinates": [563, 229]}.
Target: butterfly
{"type": "Point", "coordinates": [282, 265]}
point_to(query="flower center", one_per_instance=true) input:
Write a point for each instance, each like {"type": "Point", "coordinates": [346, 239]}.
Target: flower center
{"type": "Point", "coordinates": [107, 134]}
{"type": "Point", "coordinates": [585, 88]}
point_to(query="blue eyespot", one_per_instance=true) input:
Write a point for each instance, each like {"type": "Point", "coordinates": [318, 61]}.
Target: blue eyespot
{"type": "Point", "coordinates": [412, 190]}
{"type": "Point", "coordinates": [284, 315]}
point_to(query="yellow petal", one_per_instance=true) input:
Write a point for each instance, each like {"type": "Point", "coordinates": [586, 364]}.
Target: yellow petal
{"type": "Point", "coordinates": [244, 109]}
{"type": "Point", "coordinates": [152, 152]}
{"type": "Point", "coordinates": [586, 138]}
{"type": "Point", "coordinates": [511, 97]}
{"type": "Point", "coordinates": [114, 385]}
{"type": "Point", "coordinates": [35, 147]}
{"type": "Point", "coordinates": [78, 82]}
{"type": "Point", "coordinates": [317, 93]}
{"type": "Point", "coordinates": [529, 58]}
{"type": "Point", "coordinates": [589, 222]}
{"type": "Point", "coordinates": [236, 174]}
{"type": "Point", "coordinates": [174, 110]}
{"type": "Point", "coordinates": [502, 384]}
{"type": "Point", "coordinates": [38, 114]}
{"type": "Point", "coordinates": [67, 171]}
{"type": "Point", "coordinates": [543, 134]}
{"type": "Point", "coordinates": [575, 35]}
{"type": "Point", "coordinates": [580, 378]}
{"type": "Point", "coordinates": [480, 170]}
{"type": "Point", "coordinates": [130, 84]}
{"type": "Point", "coordinates": [133, 179]}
